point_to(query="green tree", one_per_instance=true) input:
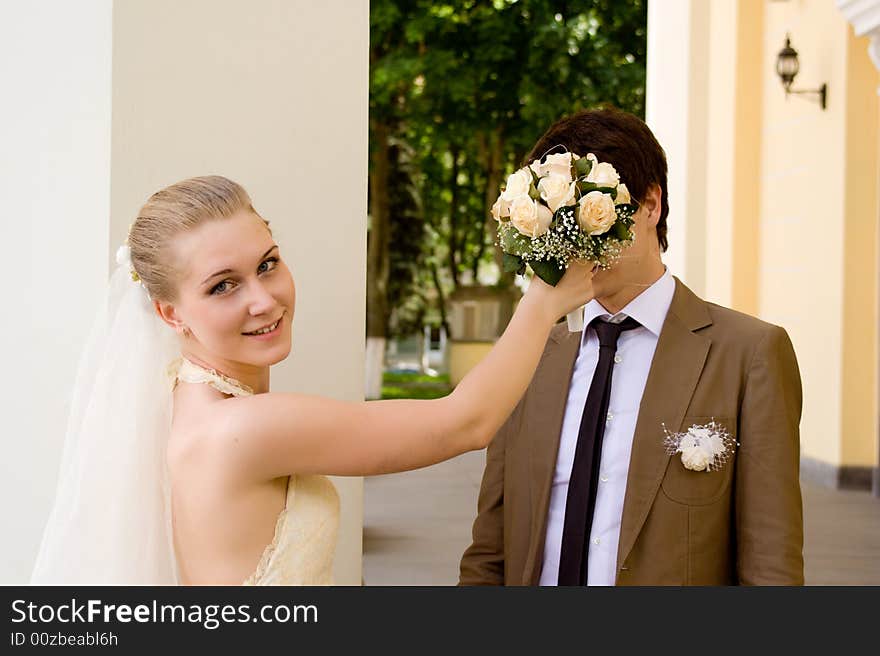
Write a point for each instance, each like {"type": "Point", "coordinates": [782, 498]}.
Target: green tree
{"type": "Point", "coordinates": [469, 86]}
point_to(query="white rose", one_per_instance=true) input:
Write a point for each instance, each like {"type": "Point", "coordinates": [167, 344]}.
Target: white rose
{"type": "Point", "coordinates": [699, 434]}
{"type": "Point", "coordinates": [623, 197]}
{"type": "Point", "coordinates": [708, 440]}
{"type": "Point", "coordinates": [530, 217]}
{"type": "Point", "coordinates": [557, 190]}
{"type": "Point", "coordinates": [596, 214]}
{"type": "Point", "coordinates": [557, 164]}
{"type": "Point", "coordinates": [602, 173]}
{"type": "Point", "coordinates": [517, 185]}
{"type": "Point", "coordinates": [696, 457]}
{"type": "Point", "coordinates": [715, 445]}
{"type": "Point", "coordinates": [500, 209]}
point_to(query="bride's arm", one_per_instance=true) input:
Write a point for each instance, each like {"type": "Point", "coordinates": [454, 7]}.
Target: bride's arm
{"type": "Point", "coordinates": [276, 434]}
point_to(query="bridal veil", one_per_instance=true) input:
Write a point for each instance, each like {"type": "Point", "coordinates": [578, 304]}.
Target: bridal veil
{"type": "Point", "coordinates": [111, 520]}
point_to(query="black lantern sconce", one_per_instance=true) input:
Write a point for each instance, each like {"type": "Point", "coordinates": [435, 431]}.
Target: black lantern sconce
{"type": "Point", "coordinates": [787, 67]}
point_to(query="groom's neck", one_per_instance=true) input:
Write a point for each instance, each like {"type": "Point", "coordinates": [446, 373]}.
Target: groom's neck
{"type": "Point", "coordinates": [632, 287]}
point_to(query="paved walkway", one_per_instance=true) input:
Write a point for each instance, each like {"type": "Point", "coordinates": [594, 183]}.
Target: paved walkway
{"type": "Point", "coordinates": [417, 524]}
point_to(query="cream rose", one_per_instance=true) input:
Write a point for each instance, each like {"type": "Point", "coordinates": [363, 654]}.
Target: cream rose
{"type": "Point", "coordinates": [557, 190]}
{"type": "Point", "coordinates": [602, 173]}
{"type": "Point", "coordinates": [699, 434]}
{"type": "Point", "coordinates": [707, 440]}
{"type": "Point", "coordinates": [557, 164]}
{"type": "Point", "coordinates": [596, 214]}
{"type": "Point", "coordinates": [500, 209]}
{"type": "Point", "coordinates": [517, 185]}
{"type": "Point", "coordinates": [623, 197]}
{"type": "Point", "coordinates": [715, 445]}
{"type": "Point", "coordinates": [530, 217]}
{"type": "Point", "coordinates": [695, 457]}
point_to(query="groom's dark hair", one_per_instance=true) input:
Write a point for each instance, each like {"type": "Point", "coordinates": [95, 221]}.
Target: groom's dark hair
{"type": "Point", "coordinates": [617, 137]}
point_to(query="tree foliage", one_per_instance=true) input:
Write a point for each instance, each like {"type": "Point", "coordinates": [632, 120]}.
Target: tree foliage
{"type": "Point", "coordinates": [465, 89]}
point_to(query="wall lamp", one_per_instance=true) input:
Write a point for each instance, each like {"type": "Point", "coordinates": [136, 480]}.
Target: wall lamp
{"type": "Point", "coordinates": [787, 67]}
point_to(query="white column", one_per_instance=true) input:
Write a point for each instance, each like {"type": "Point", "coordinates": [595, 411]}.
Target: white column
{"type": "Point", "coordinates": [55, 63]}
{"type": "Point", "coordinates": [677, 113]}
{"type": "Point", "coordinates": [864, 16]}
{"type": "Point", "coordinates": [273, 94]}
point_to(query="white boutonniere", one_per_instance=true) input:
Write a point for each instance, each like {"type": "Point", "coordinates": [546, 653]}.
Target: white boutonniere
{"type": "Point", "coordinates": [703, 447]}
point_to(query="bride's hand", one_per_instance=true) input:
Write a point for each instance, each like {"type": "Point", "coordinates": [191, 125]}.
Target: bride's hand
{"type": "Point", "coordinates": [574, 290]}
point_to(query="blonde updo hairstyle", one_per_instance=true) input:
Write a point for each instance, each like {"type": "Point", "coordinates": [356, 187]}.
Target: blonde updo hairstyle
{"type": "Point", "coordinates": [174, 210]}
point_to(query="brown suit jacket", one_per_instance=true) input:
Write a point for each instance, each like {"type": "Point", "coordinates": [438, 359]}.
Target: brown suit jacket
{"type": "Point", "coordinates": [740, 525]}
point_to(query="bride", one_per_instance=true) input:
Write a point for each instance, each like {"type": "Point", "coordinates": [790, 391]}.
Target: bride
{"type": "Point", "coordinates": [179, 465]}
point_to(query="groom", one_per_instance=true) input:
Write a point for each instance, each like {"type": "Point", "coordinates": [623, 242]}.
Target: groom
{"type": "Point", "coordinates": [580, 487]}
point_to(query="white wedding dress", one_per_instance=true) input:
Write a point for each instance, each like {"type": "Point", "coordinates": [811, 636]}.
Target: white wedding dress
{"type": "Point", "coordinates": [301, 551]}
{"type": "Point", "coordinates": [302, 548]}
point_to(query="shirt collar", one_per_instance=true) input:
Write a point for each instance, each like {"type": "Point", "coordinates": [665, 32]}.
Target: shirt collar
{"type": "Point", "coordinates": [648, 308]}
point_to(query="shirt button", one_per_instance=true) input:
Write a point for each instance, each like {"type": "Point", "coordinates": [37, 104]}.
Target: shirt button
{"type": "Point", "coordinates": [608, 417]}
{"type": "Point", "coordinates": [604, 479]}
{"type": "Point", "coordinates": [618, 359]}
{"type": "Point", "coordinates": [596, 540]}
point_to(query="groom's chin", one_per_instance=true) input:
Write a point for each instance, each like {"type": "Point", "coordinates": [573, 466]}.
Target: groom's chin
{"type": "Point", "coordinates": [605, 283]}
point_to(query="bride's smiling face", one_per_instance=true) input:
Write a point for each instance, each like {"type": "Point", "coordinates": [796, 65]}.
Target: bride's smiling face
{"type": "Point", "coordinates": [232, 286]}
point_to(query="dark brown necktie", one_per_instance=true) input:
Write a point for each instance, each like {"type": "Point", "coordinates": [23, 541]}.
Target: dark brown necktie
{"type": "Point", "coordinates": [584, 480]}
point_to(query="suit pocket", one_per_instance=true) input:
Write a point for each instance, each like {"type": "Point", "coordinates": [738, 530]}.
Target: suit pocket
{"type": "Point", "coordinates": [696, 488]}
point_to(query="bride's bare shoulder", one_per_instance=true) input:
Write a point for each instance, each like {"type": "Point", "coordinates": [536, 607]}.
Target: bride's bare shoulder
{"type": "Point", "coordinates": [246, 439]}
{"type": "Point", "coordinates": [199, 427]}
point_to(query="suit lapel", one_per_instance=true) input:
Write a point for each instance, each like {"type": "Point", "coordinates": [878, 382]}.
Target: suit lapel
{"type": "Point", "coordinates": [675, 370]}
{"type": "Point", "coordinates": [550, 395]}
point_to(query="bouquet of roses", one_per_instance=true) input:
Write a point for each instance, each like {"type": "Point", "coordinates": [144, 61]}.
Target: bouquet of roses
{"type": "Point", "coordinates": [563, 208]}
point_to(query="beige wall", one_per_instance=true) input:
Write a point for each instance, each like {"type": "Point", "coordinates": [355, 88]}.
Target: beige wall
{"type": "Point", "coordinates": [861, 215]}
{"type": "Point", "coordinates": [748, 124]}
{"type": "Point", "coordinates": [818, 266]}
{"type": "Point", "coordinates": [735, 54]}
{"type": "Point", "coordinates": [790, 192]}
{"type": "Point", "coordinates": [721, 143]}
{"type": "Point", "coordinates": [801, 283]}
{"type": "Point", "coordinates": [273, 94]}
{"type": "Point", "coordinates": [677, 111]}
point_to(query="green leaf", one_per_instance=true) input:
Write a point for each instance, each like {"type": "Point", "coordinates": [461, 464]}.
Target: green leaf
{"type": "Point", "coordinates": [587, 187]}
{"type": "Point", "coordinates": [512, 263]}
{"type": "Point", "coordinates": [451, 93]}
{"type": "Point", "coordinates": [583, 166]}
{"type": "Point", "coordinates": [515, 243]}
{"type": "Point", "coordinates": [548, 270]}
{"type": "Point", "coordinates": [534, 194]}
{"type": "Point", "coordinates": [621, 231]}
